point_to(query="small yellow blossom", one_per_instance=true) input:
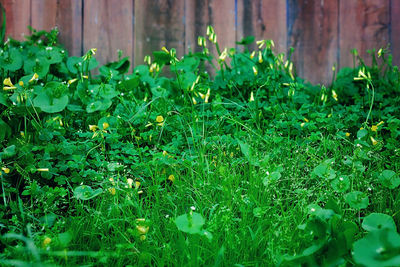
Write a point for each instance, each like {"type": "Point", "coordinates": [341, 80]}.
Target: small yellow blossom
{"type": "Point", "coordinates": [302, 124]}
{"type": "Point", "coordinates": [231, 155]}
{"type": "Point", "coordinates": [374, 128]}
{"type": "Point", "coordinates": [140, 192]}
{"type": "Point", "coordinates": [194, 101]}
{"type": "Point", "coordinates": [362, 128]}
{"type": "Point", "coordinates": [334, 95]}
{"type": "Point", "coordinates": [93, 127]}
{"type": "Point", "coordinates": [93, 50]}
{"type": "Point", "coordinates": [72, 81]}
{"type": "Point", "coordinates": [347, 134]}
{"type": "Point", "coordinates": [380, 123]}
{"type": "Point", "coordinates": [165, 50]}
{"type": "Point", "coordinates": [139, 220]}
{"type": "Point", "coordinates": [223, 55]}
{"type": "Point", "coordinates": [171, 178]}
{"type": "Point", "coordinates": [306, 120]}
{"type": "Point", "coordinates": [142, 229]}
{"type": "Point", "coordinates": [142, 237]}
{"type": "Point", "coordinates": [42, 169]}
{"type": "Point", "coordinates": [35, 77]}
{"type": "Point", "coordinates": [164, 153]}
{"type": "Point", "coordinates": [252, 54]}
{"type": "Point", "coordinates": [260, 58]}
{"type": "Point", "coordinates": [159, 119]}
{"type": "Point", "coordinates": [21, 83]}
{"type": "Point", "coordinates": [46, 241]}
{"type": "Point", "coordinates": [374, 142]}
{"type": "Point", "coordinates": [105, 125]}
{"type": "Point", "coordinates": [207, 96]}
{"type": "Point", "coordinates": [5, 170]}
{"type": "Point", "coordinates": [8, 82]}
{"type": "Point", "coordinates": [251, 97]}
{"type": "Point", "coordinates": [112, 191]}
{"type": "Point", "coordinates": [137, 184]}
{"type": "Point", "coordinates": [202, 96]}
{"type": "Point", "coordinates": [129, 182]}
{"type": "Point", "coordinates": [255, 71]}
{"type": "Point", "coordinates": [85, 76]}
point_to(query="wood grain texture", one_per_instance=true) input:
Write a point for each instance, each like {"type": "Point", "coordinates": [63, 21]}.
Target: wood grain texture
{"type": "Point", "coordinates": [108, 26]}
{"type": "Point", "coordinates": [364, 24]}
{"type": "Point", "coordinates": [313, 32]}
{"type": "Point", "coordinates": [43, 14]}
{"type": "Point", "coordinates": [218, 13]}
{"type": "Point", "coordinates": [395, 30]}
{"type": "Point", "coordinates": [18, 16]}
{"type": "Point", "coordinates": [158, 23]}
{"type": "Point", "coordinates": [264, 19]}
{"type": "Point", "coordinates": [69, 22]}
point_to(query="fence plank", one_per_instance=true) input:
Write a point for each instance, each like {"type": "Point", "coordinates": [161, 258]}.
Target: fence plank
{"type": "Point", "coordinates": [313, 32]}
{"type": "Point", "coordinates": [38, 20]}
{"type": "Point", "coordinates": [264, 19]}
{"type": "Point", "coordinates": [108, 26]}
{"type": "Point", "coordinates": [218, 13]}
{"type": "Point", "coordinates": [395, 30]}
{"type": "Point", "coordinates": [17, 17]}
{"type": "Point", "coordinates": [158, 23]}
{"type": "Point", "coordinates": [69, 22]}
{"type": "Point", "coordinates": [364, 24]}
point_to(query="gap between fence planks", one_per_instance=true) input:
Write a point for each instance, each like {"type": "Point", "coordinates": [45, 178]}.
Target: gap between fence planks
{"type": "Point", "coordinates": [323, 33]}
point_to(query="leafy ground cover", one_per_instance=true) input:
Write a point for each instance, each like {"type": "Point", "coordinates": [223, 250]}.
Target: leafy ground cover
{"type": "Point", "coordinates": [250, 166]}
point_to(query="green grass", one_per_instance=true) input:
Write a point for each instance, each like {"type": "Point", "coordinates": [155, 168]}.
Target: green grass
{"type": "Point", "coordinates": [266, 170]}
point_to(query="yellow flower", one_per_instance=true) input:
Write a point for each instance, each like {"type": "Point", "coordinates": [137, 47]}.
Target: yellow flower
{"type": "Point", "coordinates": [159, 119]}
{"type": "Point", "coordinates": [171, 178]}
{"type": "Point", "coordinates": [347, 134]}
{"type": "Point", "coordinates": [72, 81]}
{"type": "Point", "coordinates": [165, 50]}
{"type": "Point", "coordinates": [137, 184]}
{"type": "Point", "coordinates": [302, 124]}
{"type": "Point", "coordinates": [260, 59]}
{"type": "Point", "coordinates": [93, 50]}
{"type": "Point", "coordinates": [251, 97]}
{"type": "Point", "coordinates": [374, 128]}
{"type": "Point", "coordinates": [379, 124]}
{"type": "Point", "coordinates": [42, 169]}
{"type": "Point", "coordinates": [112, 181]}
{"type": "Point", "coordinates": [85, 76]}
{"type": "Point", "coordinates": [112, 191]}
{"type": "Point", "coordinates": [306, 120]}
{"type": "Point", "coordinates": [374, 142]}
{"type": "Point", "coordinates": [194, 101]}
{"type": "Point", "coordinates": [35, 77]}
{"type": "Point", "coordinates": [334, 95]}
{"type": "Point", "coordinates": [252, 54]}
{"type": "Point", "coordinates": [5, 170]}
{"type": "Point", "coordinates": [105, 125]}
{"type": "Point", "coordinates": [202, 96]}
{"type": "Point", "coordinates": [231, 155]}
{"type": "Point", "coordinates": [8, 82]}
{"type": "Point", "coordinates": [46, 241]}
{"type": "Point", "coordinates": [255, 71]}
{"type": "Point", "coordinates": [142, 229]}
{"type": "Point", "coordinates": [142, 237]}
{"type": "Point", "coordinates": [207, 96]}
{"type": "Point", "coordinates": [223, 55]}
{"type": "Point", "coordinates": [21, 83]}
{"type": "Point", "coordinates": [164, 153]}
{"type": "Point", "coordinates": [93, 127]}
{"type": "Point", "coordinates": [130, 182]}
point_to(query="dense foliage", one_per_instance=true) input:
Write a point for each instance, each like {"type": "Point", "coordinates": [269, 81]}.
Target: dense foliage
{"type": "Point", "coordinates": [225, 160]}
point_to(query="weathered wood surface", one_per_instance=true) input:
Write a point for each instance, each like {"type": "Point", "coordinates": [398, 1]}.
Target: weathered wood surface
{"type": "Point", "coordinates": [322, 32]}
{"type": "Point", "coordinates": [364, 25]}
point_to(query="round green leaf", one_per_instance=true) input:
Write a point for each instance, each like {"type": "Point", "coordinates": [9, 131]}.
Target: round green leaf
{"type": "Point", "coordinates": [341, 184]}
{"type": "Point", "coordinates": [12, 61]}
{"type": "Point", "coordinates": [357, 200]}
{"type": "Point", "coordinates": [378, 221]}
{"type": "Point", "coordinates": [74, 64]}
{"type": "Point", "coordinates": [379, 248]}
{"type": "Point", "coordinates": [85, 192]}
{"type": "Point", "coordinates": [389, 179]}
{"type": "Point", "coordinates": [191, 223]}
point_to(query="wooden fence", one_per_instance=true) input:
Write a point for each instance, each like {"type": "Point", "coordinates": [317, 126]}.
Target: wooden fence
{"type": "Point", "coordinates": [323, 32]}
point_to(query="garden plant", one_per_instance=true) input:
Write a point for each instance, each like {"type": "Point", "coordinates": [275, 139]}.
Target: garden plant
{"type": "Point", "coordinates": [225, 159]}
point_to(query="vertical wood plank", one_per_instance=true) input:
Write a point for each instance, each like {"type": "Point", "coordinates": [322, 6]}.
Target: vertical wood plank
{"type": "Point", "coordinates": [69, 22]}
{"type": "Point", "coordinates": [313, 32]}
{"type": "Point", "coordinates": [395, 31]}
{"type": "Point", "coordinates": [264, 19]}
{"type": "Point", "coordinates": [43, 14]}
{"type": "Point", "coordinates": [364, 24]}
{"type": "Point", "coordinates": [108, 26]}
{"type": "Point", "coordinates": [218, 13]}
{"type": "Point", "coordinates": [18, 15]}
{"type": "Point", "coordinates": [158, 23]}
